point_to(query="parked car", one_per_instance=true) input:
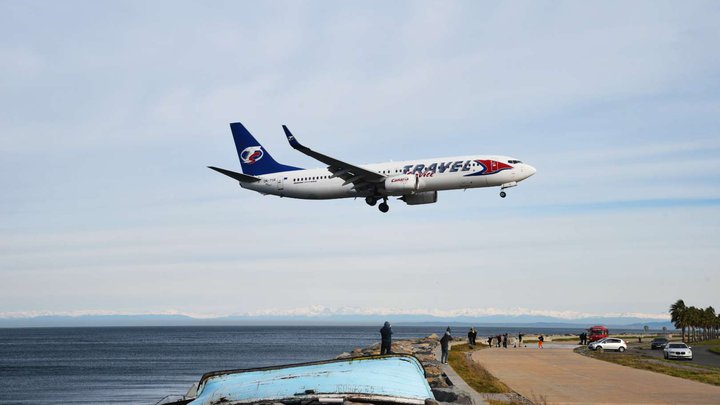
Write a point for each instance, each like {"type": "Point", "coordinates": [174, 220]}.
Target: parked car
{"type": "Point", "coordinates": [677, 350]}
{"type": "Point", "coordinates": [658, 343]}
{"type": "Point", "coordinates": [609, 344]}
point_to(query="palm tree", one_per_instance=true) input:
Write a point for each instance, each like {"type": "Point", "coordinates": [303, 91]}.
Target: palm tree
{"type": "Point", "coordinates": [709, 322]}
{"type": "Point", "coordinates": [694, 318]}
{"type": "Point", "coordinates": [678, 315]}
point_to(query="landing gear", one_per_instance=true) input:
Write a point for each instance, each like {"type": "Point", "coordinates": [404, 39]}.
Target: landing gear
{"type": "Point", "coordinates": [383, 207]}
{"type": "Point", "coordinates": [371, 200]}
{"type": "Point", "coordinates": [503, 194]}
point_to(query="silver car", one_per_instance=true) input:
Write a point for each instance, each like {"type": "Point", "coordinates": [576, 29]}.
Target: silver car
{"type": "Point", "coordinates": [609, 344]}
{"type": "Point", "coordinates": [677, 350]}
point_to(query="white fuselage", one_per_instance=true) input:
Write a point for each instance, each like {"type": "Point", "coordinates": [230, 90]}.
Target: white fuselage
{"type": "Point", "coordinates": [436, 174]}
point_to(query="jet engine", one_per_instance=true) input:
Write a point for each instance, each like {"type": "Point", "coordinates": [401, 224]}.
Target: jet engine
{"type": "Point", "coordinates": [425, 197]}
{"type": "Point", "coordinates": [400, 185]}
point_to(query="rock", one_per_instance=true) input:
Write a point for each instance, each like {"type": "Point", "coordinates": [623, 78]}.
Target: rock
{"type": "Point", "coordinates": [437, 382]}
{"type": "Point", "coordinates": [433, 370]}
{"type": "Point", "coordinates": [451, 395]}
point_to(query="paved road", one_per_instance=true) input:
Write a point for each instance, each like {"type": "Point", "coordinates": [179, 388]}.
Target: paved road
{"type": "Point", "coordinates": [561, 376]}
{"type": "Point", "coordinates": [701, 355]}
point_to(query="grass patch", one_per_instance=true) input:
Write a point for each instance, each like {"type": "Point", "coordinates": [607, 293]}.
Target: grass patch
{"type": "Point", "coordinates": [714, 342]}
{"type": "Point", "coordinates": [474, 374]}
{"type": "Point", "coordinates": [715, 349]}
{"type": "Point", "coordinates": [708, 375]}
{"type": "Point", "coordinates": [566, 339]}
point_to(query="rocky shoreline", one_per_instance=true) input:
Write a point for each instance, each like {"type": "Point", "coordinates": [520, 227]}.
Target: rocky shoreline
{"type": "Point", "coordinates": [426, 351]}
{"type": "Point", "coordinates": [423, 349]}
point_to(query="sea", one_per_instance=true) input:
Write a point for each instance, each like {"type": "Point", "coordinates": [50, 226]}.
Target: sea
{"type": "Point", "coordinates": [142, 365]}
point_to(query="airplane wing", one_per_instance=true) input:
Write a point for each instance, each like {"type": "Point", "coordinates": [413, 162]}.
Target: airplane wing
{"type": "Point", "coordinates": [237, 176]}
{"type": "Point", "coordinates": [359, 177]}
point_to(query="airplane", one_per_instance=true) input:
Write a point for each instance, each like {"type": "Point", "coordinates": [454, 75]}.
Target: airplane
{"type": "Point", "coordinates": [414, 181]}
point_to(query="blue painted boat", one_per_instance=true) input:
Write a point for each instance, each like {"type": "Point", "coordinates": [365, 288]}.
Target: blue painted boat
{"type": "Point", "coordinates": [393, 379]}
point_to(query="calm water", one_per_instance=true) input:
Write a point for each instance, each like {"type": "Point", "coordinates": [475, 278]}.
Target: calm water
{"type": "Point", "coordinates": [142, 365]}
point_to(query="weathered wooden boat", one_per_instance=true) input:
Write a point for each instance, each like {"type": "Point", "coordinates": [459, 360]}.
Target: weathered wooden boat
{"type": "Point", "coordinates": [396, 379]}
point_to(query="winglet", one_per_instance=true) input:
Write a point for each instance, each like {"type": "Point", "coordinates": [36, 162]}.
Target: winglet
{"type": "Point", "coordinates": [291, 138]}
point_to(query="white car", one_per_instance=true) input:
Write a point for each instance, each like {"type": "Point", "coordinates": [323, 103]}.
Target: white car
{"type": "Point", "coordinates": [609, 344]}
{"type": "Point", "coordinates": [677, 350]}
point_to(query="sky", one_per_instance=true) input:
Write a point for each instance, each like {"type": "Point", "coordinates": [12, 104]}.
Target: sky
{"type": "Point", "coordinates": [111, 111]}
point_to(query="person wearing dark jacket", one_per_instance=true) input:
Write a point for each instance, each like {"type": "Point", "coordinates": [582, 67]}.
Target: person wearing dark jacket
{"type": "Point", "coordinates": [386, 339]}
{"type": "Point", "coordinates": [445, 346]}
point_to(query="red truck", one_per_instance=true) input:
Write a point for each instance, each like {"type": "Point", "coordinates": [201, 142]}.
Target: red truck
{"type": "Point", "coordinates": [597, 332]}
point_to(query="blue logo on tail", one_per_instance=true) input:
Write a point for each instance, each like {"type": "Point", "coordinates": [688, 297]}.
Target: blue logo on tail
{"type": "Point", "coordinates": [252, 154]}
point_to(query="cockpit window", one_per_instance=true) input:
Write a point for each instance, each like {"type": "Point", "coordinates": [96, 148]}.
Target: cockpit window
{"type": "Point", "coordinates": [514, 161]}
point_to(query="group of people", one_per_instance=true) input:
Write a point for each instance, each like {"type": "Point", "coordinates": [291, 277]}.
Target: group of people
{"type": "Point", "coordinates": [584, 338]}
{"type": "Point", "coordinates": [472, 335]}
{"type": "Point", "coordinates": [386, 341]}
{"type": "Point", "coordinates": [502, 340]}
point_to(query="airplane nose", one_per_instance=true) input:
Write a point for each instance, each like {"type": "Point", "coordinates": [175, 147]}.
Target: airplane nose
{"type": "Point", "coordinates": [529, 170]}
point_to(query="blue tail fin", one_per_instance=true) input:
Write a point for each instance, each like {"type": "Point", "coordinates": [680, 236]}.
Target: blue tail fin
{"type": "Point", "coordinates": [254, 159]}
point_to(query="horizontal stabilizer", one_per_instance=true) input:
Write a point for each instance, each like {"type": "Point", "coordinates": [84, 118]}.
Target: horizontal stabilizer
{"type": "Point", "coordinates": [237, 176]}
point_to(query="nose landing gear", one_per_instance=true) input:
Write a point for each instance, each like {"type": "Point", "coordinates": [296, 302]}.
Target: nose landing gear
{"type": "Point", "coordinates": [503, 194]}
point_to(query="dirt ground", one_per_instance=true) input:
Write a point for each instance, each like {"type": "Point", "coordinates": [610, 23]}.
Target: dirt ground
{"type": "Point", "coordinates": [560, 376]}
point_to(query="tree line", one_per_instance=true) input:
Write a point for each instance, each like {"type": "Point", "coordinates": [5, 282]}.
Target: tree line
{"type": "Point", "coordinates": [700, 324]}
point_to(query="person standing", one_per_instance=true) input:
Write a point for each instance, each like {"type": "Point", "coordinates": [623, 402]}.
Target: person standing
{"type": "Point", "coordinates": [505, 341]}
{"type": "Point", "coordinates": [445, 346]}
{"type": "Point", "coordinates": [386, 339]}
{"type": "Point", "coordinates": [520, 336]}
{"type": "Point", "coordinates": [470, 337]}
{"type": "Point", "coordinates": [541, 339]}
{"type": "Point", "coordinates": [490, 341]}
{"type": "Point", "coordinates": [499, 340]}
